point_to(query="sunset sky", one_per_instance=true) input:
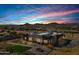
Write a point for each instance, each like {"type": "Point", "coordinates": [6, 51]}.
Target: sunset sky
{"type": "Point", "coordinates": [38, 13]}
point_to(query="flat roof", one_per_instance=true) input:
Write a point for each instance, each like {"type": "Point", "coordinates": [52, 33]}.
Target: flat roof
{"type": "Point", "coordinates": [43, 33]}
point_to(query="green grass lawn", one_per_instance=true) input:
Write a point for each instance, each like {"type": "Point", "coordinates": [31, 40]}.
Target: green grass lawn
{"type": "Point", "coordinates": [17, 48]}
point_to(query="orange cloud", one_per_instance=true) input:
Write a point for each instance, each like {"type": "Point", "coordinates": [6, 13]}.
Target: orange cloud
{"type": "Point", "coordinates": [59, 13]}
{"type": "Point", "coordinates": [49, 14]}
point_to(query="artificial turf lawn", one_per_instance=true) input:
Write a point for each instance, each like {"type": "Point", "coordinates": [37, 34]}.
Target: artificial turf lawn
{"type": "Point", "coordinates": [17, 48]}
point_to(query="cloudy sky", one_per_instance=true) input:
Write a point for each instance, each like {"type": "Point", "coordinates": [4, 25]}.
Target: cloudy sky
{"type": "Point", "coordinates": [38, 13]}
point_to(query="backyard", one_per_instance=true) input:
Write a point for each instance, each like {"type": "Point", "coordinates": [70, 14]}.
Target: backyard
{"type": "Point", "coordinates": [17, 48]}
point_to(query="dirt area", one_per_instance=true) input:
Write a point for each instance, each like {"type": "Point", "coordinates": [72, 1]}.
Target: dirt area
{"type": "Point", "coordinates": [71, 49]}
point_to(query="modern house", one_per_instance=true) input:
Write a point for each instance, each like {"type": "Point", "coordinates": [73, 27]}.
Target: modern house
{"type": "Point", "coordinates": [50, 37]}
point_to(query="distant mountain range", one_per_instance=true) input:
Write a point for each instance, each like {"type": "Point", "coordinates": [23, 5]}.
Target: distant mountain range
{"type": "Point", "coordinates": [68, 26]}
